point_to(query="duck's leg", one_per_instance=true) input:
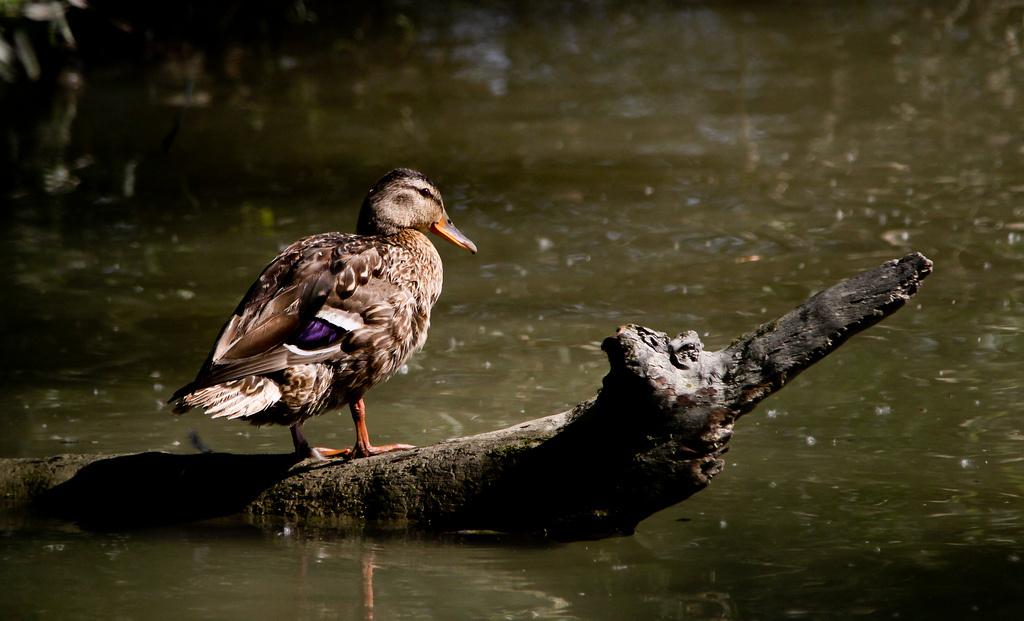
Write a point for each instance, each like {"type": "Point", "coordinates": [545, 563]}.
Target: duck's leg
{"type": "Point", "coordinates": [363, 448]}
{"type": "Point", "coordinates": [303, 449]}
{"type": "Point", "coordinates": [299, 440]}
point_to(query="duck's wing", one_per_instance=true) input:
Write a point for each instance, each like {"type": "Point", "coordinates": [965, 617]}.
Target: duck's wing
{"type": "Point", "coordinates": [316, 293]}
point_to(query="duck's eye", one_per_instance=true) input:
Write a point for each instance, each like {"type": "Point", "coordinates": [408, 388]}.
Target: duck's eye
{"type": "Point", "coordinates": [424, 192]}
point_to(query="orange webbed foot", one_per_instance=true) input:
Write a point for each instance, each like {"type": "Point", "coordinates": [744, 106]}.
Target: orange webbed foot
{"type": "Point", "coordinates": [321, 453]}
{"type": "Point", "coordinates": [379, 450]}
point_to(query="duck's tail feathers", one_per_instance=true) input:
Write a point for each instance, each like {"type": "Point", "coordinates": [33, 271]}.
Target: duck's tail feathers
{"type": "Point", "coordinates": [240, 398]}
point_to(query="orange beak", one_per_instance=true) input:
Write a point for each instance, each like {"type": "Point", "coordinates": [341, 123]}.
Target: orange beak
{"type": "Point", "coordinates": [447, 230]}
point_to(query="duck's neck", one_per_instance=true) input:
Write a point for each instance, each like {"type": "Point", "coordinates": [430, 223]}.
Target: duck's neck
{"type": "Point", "coordinates": [422, 269]}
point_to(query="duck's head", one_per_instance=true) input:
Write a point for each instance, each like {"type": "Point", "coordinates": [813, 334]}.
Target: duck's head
{"type": "Point", "coordinates": [406, 199]}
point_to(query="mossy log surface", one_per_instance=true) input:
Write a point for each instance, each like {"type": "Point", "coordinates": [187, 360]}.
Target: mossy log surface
{"type": "Point", "coordinates": [652, 437]}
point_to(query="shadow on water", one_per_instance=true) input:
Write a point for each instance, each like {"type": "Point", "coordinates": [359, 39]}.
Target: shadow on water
{"type": "Point", "coordinates": [160, 488]}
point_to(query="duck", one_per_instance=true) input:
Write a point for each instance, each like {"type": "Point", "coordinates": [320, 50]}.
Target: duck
{"type": "Point", "coordinates": [331, 317]}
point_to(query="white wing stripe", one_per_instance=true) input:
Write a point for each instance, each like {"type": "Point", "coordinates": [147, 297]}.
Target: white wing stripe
{"type": "Point", "coordinates": [342, 319]}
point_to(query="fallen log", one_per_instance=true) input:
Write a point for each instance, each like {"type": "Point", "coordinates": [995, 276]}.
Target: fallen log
{"type": "Point", "coordinates": [651, 437]}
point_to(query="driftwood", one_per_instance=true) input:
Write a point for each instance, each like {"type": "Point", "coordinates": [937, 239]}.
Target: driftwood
{"type": "Point", "coordinates": [653, 436]}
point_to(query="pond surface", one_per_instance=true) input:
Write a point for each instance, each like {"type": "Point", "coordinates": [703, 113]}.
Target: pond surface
{"type": "Point", "coordinates": [699, 167]}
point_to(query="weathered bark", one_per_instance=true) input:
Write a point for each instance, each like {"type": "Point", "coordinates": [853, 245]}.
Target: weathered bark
{"type": "Point", "coordinates": [653, 436]}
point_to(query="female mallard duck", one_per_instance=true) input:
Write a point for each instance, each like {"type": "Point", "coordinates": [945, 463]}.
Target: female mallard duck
{"type": "Point", "coordinates": [330, 317]}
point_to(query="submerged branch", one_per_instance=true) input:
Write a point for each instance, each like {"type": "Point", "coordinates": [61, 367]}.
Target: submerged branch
{"type": "Point", "coordinates": [653, 436]}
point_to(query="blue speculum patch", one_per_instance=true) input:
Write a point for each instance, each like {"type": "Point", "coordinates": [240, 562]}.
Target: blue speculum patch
{"type": "Point", "coordinates": [317, 333]}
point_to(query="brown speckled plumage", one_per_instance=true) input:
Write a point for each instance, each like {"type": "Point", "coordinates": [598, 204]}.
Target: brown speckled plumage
{"type": "Point", "coordinates": [332, 316]}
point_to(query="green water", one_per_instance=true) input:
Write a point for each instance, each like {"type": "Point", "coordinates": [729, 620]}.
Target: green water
{"type": "Point", "coordinates": [694, 167]}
